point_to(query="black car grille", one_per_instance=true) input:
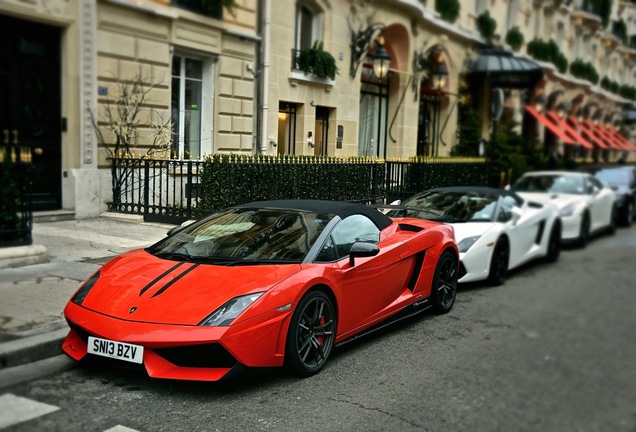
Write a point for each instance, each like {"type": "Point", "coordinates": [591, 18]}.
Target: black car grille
{"type": "Point", "coordinates": [211, 355]}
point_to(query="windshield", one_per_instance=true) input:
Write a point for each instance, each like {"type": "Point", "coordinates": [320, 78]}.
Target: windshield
{"type": "Point", "coordinates": [245, 235]}
{"type": "Point", "coordinates": [450, 206]}
{"type": "Point", "coordinates": [614, 177]}
{"type": "Point", "coordinates": [551, 183]}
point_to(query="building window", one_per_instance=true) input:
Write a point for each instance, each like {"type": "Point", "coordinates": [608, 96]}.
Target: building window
{"type": "Point", "coordinates": [209, 8]}
{"type": "Point", "coordinates": [191, 106]}
{"type": "Point", "coordinates": [511, 18]}
{"type": "Point", "coordinates": [374, 98]}
{"type": "Point", "coordinates": [481, 6]}
{"type": "Point", "coordinates": [308, 25]}
{"type": "Point", "coordinates": [286, 128]}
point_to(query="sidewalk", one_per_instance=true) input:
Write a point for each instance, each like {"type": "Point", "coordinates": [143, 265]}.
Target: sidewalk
{"type": "Point", "coordinates": [33, 296]}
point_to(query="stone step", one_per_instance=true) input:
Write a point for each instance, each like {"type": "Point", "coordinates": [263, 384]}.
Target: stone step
{"type": "Point", "coordinates": [53, 215]}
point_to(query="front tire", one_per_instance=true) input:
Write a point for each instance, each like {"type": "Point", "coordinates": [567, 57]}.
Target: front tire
{"type": "Point", "coordinates": [499, 263]}
{"type": "Point", "coordinates": [584, 232]}
{"type": "Point", "coordinates": [311, 334]}
{"type": "Point", "coordinates": [444, 289]}
{"type": "Point", "coordinates": [554, 243]}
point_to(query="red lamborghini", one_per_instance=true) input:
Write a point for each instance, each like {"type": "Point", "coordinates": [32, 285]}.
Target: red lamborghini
{"type": "Point", "coordinates": [272, 283]}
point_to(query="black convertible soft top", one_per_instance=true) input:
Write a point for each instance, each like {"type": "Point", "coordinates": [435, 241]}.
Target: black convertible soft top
{"type": "Point", "coordinates": [339, 208]}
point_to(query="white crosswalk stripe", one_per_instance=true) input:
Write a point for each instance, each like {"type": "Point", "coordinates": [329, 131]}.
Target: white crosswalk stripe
{"type": "Point", "coordinates": [120, 428]}
{"type": "Point", "coordinates": [16, 409]}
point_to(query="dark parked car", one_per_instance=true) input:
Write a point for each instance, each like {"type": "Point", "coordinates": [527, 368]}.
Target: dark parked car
{"type": "Point", "coordinates": [623, 181]}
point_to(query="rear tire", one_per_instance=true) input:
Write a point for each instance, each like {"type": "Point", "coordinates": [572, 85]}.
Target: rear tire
{"type": "Point", "coordinates": [499, 263]}
{"type": "Point", "coordinates": [628, 215]}
{"type": "Point", "coordinates": [554, 243]}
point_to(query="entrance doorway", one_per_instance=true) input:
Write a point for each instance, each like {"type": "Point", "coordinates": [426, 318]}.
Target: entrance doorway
{"type": "Point", "coordinates": [322, 131]}
{"type": "Point", "coordinates": [30, 116]}
{"type": "Point", "coordinates": [286, 128]}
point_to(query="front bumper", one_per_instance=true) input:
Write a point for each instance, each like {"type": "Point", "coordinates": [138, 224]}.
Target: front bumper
{"type": "Point", "coordinates": [184, 352]}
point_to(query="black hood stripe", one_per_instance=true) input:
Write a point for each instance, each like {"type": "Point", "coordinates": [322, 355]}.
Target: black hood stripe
{"type": "Point", "coordinates": [158, 278]}
{"type": "Point", "coordinates": [169, 284]}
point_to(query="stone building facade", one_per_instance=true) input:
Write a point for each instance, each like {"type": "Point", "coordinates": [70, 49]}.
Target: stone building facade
{"type": "Point", "coordinates": [214, 80]}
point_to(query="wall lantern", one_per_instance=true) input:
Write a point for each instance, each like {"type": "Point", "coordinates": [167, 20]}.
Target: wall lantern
{"type": "Point", "coordinates": [539, 103]}
{"type": "Point", "coordinates": [562, 110]}
{"type": "Point", "coordinates": [361, 41]}
{"type": "Point", "coordinates": [439, 75]}
{"type": "Point", "coordinates": [381, 61]}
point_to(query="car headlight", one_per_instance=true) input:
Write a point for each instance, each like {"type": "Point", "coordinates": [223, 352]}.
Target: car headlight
{"type": "Point", "coordinates": [81, 293]}
{"type": "Point", "coordinates": [568, 210]}
{"type": "Point", "coordinates": [224, 315]}
{"type": "Point", "coordinates": [467, 243]}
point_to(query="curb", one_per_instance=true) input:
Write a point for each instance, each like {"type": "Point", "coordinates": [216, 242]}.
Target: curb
{"type": "Point", "coordinates": [31, 349]}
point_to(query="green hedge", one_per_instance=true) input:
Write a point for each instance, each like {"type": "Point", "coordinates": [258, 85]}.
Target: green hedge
{"type": "Point", "coordinates": [229, 180]}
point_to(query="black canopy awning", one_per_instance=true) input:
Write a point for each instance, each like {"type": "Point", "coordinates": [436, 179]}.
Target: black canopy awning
{"type": "Point", "coordinates": [503, 69]}
{"type": "Point", "coordinates": [629, 114]}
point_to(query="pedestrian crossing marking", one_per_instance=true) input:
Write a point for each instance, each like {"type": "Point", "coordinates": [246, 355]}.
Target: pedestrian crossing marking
{"type": "Point", "coordinates": [16, 409]}
{"type": "Point", "coordinates": [120, 428]}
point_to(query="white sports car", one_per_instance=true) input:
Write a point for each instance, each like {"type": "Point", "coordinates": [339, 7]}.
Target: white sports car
{"type": "Point", "coordinates": [586, 205]}
{"type": "Point", "coordinates": [495, 230]}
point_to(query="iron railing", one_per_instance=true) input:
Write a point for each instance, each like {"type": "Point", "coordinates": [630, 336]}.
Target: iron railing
{"type": "Point", "coordinates": [16, 202]}
{"type": "Point", "coordinates": [173, 191]}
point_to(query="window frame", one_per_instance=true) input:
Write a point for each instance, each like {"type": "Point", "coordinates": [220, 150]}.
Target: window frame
{"type": "Point", "coordinates": [206, 132]}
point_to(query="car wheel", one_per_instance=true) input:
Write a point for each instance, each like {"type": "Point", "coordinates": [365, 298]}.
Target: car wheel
{"type": "Point", "coordinates": [584, 232]}
{"type": "Point", "coordinates": [311, 335]}
{"type": "Point", "coordinates": [499, 263]}
{"type": "Point", "coordinates": [554, 243]}
{"type": "Point", "coordinates": [611, 228]}
{"type": "Point", "coordinates": [628, 216]}
{"type": "Point", "coordinates": [444, 289]}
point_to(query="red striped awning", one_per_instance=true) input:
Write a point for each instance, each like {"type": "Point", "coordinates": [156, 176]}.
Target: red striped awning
{"type": "Point", "coordinates": [587, 132]}
{"type": "Point", "coordinates": [569, 129]}
{"type": "Point", "coordinates": [627, 145]}
{"type": "Point", "coordinates": [553, 127]}
{"type": "Point", "coordinates": [600, 131]}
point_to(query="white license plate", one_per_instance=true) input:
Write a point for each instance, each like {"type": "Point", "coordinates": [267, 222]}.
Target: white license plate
{"type": "Point", "coordinates": [116, 350]}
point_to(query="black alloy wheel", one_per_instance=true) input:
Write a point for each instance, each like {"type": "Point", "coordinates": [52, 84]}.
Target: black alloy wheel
{"type": "Point", "coordinates": [499, 263]}
{"type": "Point", "coordinates": [312, 332]}
{"type": "Point", "coordinates": [444, 289]}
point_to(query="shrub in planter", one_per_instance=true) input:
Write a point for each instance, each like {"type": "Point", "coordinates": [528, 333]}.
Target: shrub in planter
{"type": "Point", "coordinates": [514, 38]}
{"type": "Point", "coordinates": [317, 62]}
{"type": "Point", "coordinates": [486, 25]}
{"type": "Point", "coordinates": [448, 9]}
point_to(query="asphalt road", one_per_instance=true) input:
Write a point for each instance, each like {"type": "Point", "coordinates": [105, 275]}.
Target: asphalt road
{"type": "Point", "coordinates": [554, 349]}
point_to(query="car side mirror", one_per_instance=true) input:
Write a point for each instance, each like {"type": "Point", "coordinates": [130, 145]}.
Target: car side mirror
{"type": "Point", "coordinates": [174, 230]}
{"type": "Point", "coordinates": [396, 202]}
{"type": "Point", "coordinates": [516, 214]}
{"type": "Point", "coordinates": [361, 250]}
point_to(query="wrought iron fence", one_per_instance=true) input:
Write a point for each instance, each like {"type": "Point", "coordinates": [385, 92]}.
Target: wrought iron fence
{"type": "Point", "coordinates": [173, 191]}
{"type": "Point", "coordinates": [16, 203]}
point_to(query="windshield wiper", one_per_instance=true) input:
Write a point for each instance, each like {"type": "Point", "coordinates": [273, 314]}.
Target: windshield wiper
{"type": "Point", "coordinates": [174, 256]}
